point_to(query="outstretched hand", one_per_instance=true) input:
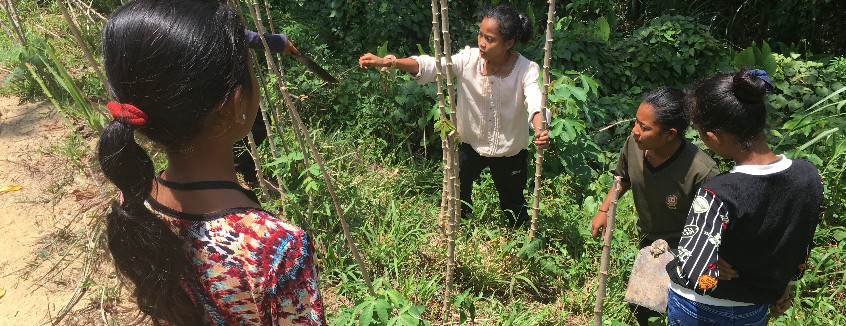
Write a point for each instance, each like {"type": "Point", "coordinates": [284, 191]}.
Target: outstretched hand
{"type": "Point", "coordinates": [370, 59]}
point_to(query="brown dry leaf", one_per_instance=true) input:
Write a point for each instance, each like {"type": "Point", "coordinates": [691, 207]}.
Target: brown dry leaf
{"type": "Point", "coordinates": [10, 188]}
{"type": "Point", "coordinates": [82, 194]}
{"type": "Point", "coordinates": [55, 126]}
{"type": "Point", "coordinates": [85, 198]}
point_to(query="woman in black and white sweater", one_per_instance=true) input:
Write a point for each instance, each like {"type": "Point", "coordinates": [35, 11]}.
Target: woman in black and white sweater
{"type": "Point", "coordinates": [760, 216]}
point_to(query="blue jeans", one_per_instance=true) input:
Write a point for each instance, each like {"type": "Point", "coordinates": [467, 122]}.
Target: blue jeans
{"type": "Point", "coordinates": [683, 312]}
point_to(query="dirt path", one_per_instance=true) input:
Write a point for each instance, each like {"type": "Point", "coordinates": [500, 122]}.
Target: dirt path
{"type": "Point", "coordinates": [44, 226]}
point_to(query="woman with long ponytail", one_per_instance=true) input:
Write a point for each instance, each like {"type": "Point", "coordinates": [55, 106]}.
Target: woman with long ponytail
{"type": "Point", "coordinates": [197, 247]}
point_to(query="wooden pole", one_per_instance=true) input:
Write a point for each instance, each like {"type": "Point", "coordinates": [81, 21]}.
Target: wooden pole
{"type": "Point", "coordinates": [606, 252]}
{"type": "Point", "coordinates": [252, 6]}
{"type": "Point", "coordinates": [253, 150]}
{"type": "Point", "coordinates": [88, 57]}
{"type": "Point", "coordinates": [547, 49]}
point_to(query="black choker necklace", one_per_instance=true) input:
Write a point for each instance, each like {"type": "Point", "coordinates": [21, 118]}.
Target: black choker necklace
{"type": "Point", "coordinates": [204, 185]}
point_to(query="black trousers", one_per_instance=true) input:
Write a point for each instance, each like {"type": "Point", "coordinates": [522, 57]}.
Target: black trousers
{"type": "Point", "coordinates": [509, 176]}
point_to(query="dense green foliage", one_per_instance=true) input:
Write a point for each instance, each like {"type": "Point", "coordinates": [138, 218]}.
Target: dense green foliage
{"type": "Point", "coordinates": [376, 133]}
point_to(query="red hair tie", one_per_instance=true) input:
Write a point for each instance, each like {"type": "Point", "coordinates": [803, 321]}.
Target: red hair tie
{"type": "Point", "coordinates": [128, 113]}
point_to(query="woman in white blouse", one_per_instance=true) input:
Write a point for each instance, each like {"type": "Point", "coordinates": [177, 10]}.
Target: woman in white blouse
{"type": "Point", "coordinates": [497, 95]}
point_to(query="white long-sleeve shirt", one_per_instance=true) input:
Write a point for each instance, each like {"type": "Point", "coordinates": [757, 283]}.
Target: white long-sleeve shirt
{"type": "Point", "coordinates": [492, 111]}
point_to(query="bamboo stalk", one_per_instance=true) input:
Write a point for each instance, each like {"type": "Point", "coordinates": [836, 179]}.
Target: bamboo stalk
{"type": "Point", "coordinates": [454, 216]}
{"type": "Point", "coordinates": [544, 97]}
{"type": "Point", "coordinates": [273, 109]}
{"type": "Point", "coordinates": [88, 57]}
{"type": "Point", "coordinates": [89, 10]}
{"type": "Point", "coordinates": [448, 57]}
{"type": "Point", "coordinates": [12, 36]}
{"type": "Point", "coordinates": [449, 228]}
{"type": "Point", "coordinates": [297, 131]}
{"type": "Point", "coordinates": [436, 31]}
{"type": "Point", "coordinates": [15, 21]}
{"type": "Point", "coordinates": [266, 118]}
{"type": "Point", "coordinates": [270, 24]}
{"type": "Point", "coordinates": [253, 150]}
{"type": "Point", "coordinates": [451, 164]}
{"type": "Point", "coordinates": [442, 218]}
{"type": "Point", "coordinates": [606, 252]}
{"type": "Point", "coordinates": [252, 5]}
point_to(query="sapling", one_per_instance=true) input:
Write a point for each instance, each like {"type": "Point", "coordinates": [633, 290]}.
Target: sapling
{"type": "Point", "coordinates": [606, 252]}
{"type": "Point", "coordinates": [544, 96]}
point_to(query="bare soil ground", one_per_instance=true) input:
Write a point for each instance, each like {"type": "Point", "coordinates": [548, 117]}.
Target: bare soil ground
{"type": "Point", "coordinates": [49, 227]}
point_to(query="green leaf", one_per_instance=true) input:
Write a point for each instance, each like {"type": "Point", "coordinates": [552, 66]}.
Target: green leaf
{"type": "Point", "coordinates": [602, 31]}
{"type": "Point", "coordinates": [529, 248]}
{"type": "Point", "coordinates": [409, 320]}
{"type": "Point", "coordinates": [366, 317]}
{"type": "Point", "coordinates": [396, 297]}
{"type": "Point", "coordinates": [420, 49]}
{"type": "Point", "coordinates": [383, 307]}
{"type": "Point", "coordinates": [745, 58]}
{"type": "Point", "coordinates": [815, 140]}
{"type": "Point", "coordinates": [382, 50]}
{"type": "Point", "coordinates": [578, 93]}
{"type": "Point", "coordinates": [768, 62]}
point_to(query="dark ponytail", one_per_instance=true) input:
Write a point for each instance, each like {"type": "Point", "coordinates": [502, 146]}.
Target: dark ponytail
{"type": "Point", "coordinates": [731, 102]}
{"type": "Point", "coordinates": [176, 61]}
{"type": "Point", "coordinates": [513, 25]}
{"type": "Point", "coordinates": [145, 250]}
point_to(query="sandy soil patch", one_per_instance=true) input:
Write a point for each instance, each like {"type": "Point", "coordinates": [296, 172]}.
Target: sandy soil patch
{"type": "Point", "coordinates": [46, 227]}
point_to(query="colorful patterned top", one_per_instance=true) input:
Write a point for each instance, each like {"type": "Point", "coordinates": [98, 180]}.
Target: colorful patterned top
{"type": "Point", "coordinates": [253, 268]}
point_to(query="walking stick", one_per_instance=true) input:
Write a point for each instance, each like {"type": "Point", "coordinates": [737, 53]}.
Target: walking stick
{"type": "Point", "coordinates": [544, 96]}
{"type": "Point", "coordinates": [606, 253]}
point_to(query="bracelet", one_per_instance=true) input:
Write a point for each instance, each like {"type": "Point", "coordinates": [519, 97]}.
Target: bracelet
{"type": "Point", "coordinates": [393, 60]}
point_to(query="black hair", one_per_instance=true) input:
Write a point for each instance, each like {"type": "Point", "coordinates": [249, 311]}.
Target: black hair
{"type": "Point", "coordinates": [175, 60]}
{"type": "Point", "coordinates": [513, 25]}
{"type": "Point", "coordinates": [731, 102]}
{"type": "Point", "coordinates": [668, 104]}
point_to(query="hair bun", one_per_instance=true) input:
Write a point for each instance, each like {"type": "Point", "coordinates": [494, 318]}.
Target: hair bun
{"type": "Point", "coordinates": [749, 88]}
{"type": "Point", "coordinates": [525, 29]}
